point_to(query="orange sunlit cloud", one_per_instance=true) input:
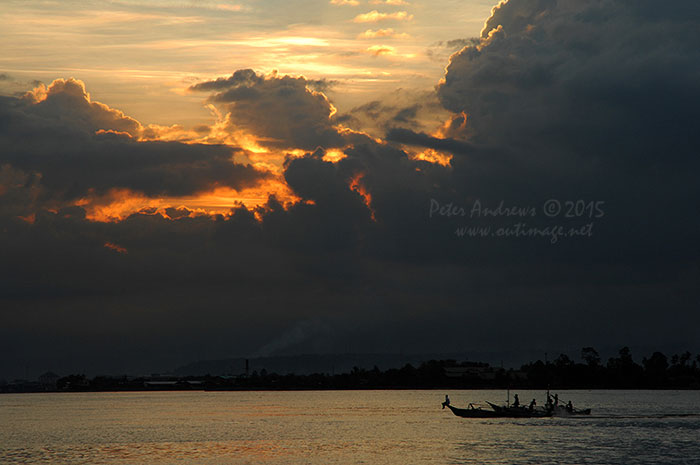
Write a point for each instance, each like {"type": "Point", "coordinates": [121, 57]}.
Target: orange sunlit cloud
{"type": "Point", "coordinates": [115, 205]}
{"type": "Point", "coordinates": [433, 156]}
{"type": "Point", "coordinates": [375, 16]}
{"type": "Point", "coordinates": [455, 125]}
{"type": "Point", "coordinates": [355, 185]}
{"type": "Point", "coordinates": [378, 50]}
{"type": "Point", "coordinates": [115, 247]}
{"type": "Point", "coordinates": [118, 204]}
{"type": "Point", "coordinates": [31, 218]}
{"type": "Point", "coordinates": [221, 199]}
{"type": "Point", "coordinates": [226, 7]}
{"type": "Point", "coordinates": [334, 156]}
{"type": "Point", "coordinates": [389, 33]}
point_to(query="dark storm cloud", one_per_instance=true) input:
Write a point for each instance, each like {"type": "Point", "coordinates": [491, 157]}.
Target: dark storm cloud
{"type": "Point", "coordinates": [281, 111]}
{"type": "Point", "coordinates": [582, 100]}
{"type": "Point", "coordinates": [595, 99]}
{"type": "Point", "coordinates": [609, 69]}
{"type": "Point", "coordinates": [59, 138]}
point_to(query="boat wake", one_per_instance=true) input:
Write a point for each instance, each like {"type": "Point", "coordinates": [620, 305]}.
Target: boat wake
{"type": "Point", "coordinates": [641, 417]}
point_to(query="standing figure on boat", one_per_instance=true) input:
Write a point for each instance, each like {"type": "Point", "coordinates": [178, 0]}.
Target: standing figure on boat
{"type": "Point", "coordinates": [532, 405]}
{"type": "Point", "coordinates": [516, 401]}
{"type": "Point", "coordinates": [570, 407]}
{"type": "Point", "coordinates": [556, 400]}
{"type": "Point", "coordinates": [447, 401]}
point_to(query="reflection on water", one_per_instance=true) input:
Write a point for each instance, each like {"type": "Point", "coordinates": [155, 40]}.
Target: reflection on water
{"type": "Point", "coordinates": [373, 427]}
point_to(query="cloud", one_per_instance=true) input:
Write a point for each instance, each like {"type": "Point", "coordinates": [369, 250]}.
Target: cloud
{"type": "Point", "coordinates": [281, 111]}
{"type": "Point", "coordinates": [345, 2]}
{"type": "Point", "coordinates": [442, 50]}
{"type": "Point", "coordinates": [389, 2]}
{"type": "Point", "coordinates": [586, 100]}
{"type": "Point", "coordinates": [388, 33]}
{"type": "Point", "coordinates": [67, 99]}
{"type": "Point", "coordinates": [401, 108]}
{"type": "Point", "coordinates": [242, 77]}
{"type": "Point", "coordinates": [407, 115]}
{"type": "Point", "coordinates": [374, 16]}
{"type": "Point", "coordinates": [406, 136]}
{"type": "Point", "coordinates": [540, 66]}
{"type": "Point", "coordinates": [321, 85]}
{"type": "Point", "coordinates": [230, 7]}
{"type": "Point", "coordinates": [78, 147]}
{"type": "Point", "coordinates": [378, 50]}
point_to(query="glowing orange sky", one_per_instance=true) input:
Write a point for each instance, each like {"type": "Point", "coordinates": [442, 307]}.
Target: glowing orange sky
{"type": "Point", "coordinates": [139, 55]}
{"type": "Point", "coordinates": [138, 58]}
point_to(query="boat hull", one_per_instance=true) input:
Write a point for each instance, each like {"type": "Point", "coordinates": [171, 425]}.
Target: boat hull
{"type": "Point", "coordinates": [472, 412]}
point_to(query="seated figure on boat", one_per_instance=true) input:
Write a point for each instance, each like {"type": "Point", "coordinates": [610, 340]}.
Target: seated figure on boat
{"type": "Point", "coordinates": [532, 405]}
{"type": "Point", "coordinates": [569, 407]}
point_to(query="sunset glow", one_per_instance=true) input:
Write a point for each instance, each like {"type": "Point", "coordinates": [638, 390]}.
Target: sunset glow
{"type": "Point", "coordinates": [185, 182]}
{"type": "Point", "coordinates": [118, 204]}
{"type": "Point", "coordinates": [357, 186]}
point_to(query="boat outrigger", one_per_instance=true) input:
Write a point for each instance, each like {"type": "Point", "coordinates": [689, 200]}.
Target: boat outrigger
{"type": "Point", "coordinates": [515, 410]}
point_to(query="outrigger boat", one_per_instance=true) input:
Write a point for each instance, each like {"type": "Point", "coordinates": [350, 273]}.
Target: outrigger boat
{"type": "Point", "coordinates": [512, 411]}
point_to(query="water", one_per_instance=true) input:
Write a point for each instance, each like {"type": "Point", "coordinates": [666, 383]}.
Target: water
{"type": "Point", "coordinates": [372, 427]}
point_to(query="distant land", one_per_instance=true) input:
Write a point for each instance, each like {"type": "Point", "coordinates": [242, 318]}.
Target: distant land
{"type": "Point", "coordinates": [656, 371]}
{"type": "Point", "coordinates": [309, 363]}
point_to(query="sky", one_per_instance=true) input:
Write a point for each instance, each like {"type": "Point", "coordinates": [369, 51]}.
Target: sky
{"type": "Point", "coordinates": [184, 180]}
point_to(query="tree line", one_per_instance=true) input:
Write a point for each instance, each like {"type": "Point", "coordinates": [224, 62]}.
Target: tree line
{"type": "Point", "coordinates": [656, 371]}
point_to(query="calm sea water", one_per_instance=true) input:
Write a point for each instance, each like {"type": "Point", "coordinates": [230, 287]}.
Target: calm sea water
{"type": "Point", "coordinates": [372, 427]}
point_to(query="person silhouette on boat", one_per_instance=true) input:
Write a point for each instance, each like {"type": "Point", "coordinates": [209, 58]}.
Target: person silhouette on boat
{"type": "Point", "coordinates": [516, 401]}
{"type": "Point", "coordinates": [532, 405]}
{"type": "Point", "coordinates": [447, 401]}
{"type": "Point", "coordinates": [570, 407]}
{"type": "Point", "coordinates": [556, 400]}
{"type": "Point", "coordinates": [549, 406]}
